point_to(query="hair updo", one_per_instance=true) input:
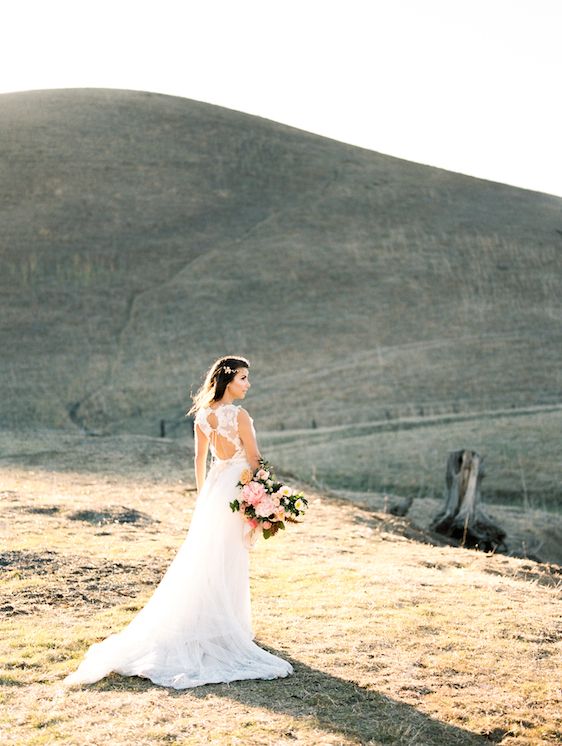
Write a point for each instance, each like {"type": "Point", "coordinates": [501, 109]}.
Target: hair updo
{"type": "Point", "coordinates": [219, 375]}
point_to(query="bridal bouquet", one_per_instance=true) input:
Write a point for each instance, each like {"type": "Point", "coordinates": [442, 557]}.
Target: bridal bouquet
{"type": "Point", "coordinates": [267, 503]}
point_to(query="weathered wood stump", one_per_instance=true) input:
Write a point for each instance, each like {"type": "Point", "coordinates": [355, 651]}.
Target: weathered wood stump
{"type": "Point", "coordinates": [462, 518]}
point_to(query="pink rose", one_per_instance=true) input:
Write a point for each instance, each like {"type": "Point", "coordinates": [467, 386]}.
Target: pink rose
{"type": "Point", "coordinates": [278, 497]}
{"type": "Point", "coordinates": [253, 522]}
{"type": "Point", "coordinates": [266, 524]}
{"type": "Point", "coordinates": [265, 507]}
{"type": "Point", "coordinates": [253, 492]}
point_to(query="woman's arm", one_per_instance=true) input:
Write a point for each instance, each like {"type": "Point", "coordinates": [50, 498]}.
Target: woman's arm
{"type": "Point", "coordinates": [248, 437]}
{"type": "Point", "coordinates": [201, 449]}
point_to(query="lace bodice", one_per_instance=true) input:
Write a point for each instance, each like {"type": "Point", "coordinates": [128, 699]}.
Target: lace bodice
{"type": "Point", "coordinates": [222, 431]}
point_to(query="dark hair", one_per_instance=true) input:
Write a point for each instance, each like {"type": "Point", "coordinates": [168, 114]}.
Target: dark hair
{"type": "Point", "coordinates": [219, 375]}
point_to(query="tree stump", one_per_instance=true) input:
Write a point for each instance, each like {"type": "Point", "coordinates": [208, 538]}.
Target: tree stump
{"type": "Point", "coordinates": [462, 518]}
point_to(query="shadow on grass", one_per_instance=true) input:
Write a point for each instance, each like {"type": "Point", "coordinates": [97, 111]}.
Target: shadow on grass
{"type": "Point", "coordinates": [327, 702]}
{"type": "Point", "coordinates": [9, 681]}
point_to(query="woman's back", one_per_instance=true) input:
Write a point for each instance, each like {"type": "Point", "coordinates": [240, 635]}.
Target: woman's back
{"type": "Point", "coordinates": [220, 426]}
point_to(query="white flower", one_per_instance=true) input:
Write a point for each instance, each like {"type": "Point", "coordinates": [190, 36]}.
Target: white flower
{"type": "Point", "coordinates": [286, 491]}
{"type": "Point", "coordinates": [269, 482]}
{"type": "Point", "coordinates": [299, 505]}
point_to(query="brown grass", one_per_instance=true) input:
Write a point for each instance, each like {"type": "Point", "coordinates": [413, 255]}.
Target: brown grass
{"type": "Point", "coordinates": [393, 640]}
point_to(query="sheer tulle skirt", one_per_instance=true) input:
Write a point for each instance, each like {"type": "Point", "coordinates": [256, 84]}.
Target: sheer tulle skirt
{"type": "Point", "coordinates": [196, 628]}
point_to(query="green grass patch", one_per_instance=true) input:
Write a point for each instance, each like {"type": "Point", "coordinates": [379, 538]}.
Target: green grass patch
{"type": "Point", "coordinates": [522, 456]}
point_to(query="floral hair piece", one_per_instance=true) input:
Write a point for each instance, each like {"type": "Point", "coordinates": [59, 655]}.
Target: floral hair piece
{"type": "Point", "coordinates": [227, 369]}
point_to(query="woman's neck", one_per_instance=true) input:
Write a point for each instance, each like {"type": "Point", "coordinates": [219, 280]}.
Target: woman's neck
{"type": "Point", "coordinates": [225, 400]}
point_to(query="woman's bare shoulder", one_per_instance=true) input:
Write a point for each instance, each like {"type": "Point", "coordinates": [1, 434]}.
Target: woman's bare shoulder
{"type": "Point", "coordinates": [243, 415]}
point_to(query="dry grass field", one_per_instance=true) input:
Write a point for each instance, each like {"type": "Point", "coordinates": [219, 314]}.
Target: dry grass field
{"type": "Point", "coordinates": [393, 640]}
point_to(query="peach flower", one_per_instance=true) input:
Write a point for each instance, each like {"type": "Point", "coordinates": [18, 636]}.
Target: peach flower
{"type": "Point", "coordinates": [246, 476]}
{"type": "Point", "coordinates": [279, 514]}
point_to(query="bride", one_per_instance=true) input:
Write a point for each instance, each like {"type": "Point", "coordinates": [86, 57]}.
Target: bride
{"type": "Point", "coordinates": [196, 627]}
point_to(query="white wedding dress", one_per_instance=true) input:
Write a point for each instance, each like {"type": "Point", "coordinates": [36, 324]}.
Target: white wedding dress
{"type": "Point", "coordinates": [196, 627]}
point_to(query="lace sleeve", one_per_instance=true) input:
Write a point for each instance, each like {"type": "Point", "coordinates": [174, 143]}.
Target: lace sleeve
{"type": "Point", "coordinates": [201, 420]}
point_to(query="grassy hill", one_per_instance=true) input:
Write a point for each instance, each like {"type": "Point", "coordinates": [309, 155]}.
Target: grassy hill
{"type": "Point", "coordinates": [144, 235]}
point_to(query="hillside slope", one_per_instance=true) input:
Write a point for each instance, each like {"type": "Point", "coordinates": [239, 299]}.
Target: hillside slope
{"type": "Point", "coordinates": [143, 235]}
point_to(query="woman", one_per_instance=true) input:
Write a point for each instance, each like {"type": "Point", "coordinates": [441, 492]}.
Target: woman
{"type": "Point", "coordinates": [196, 627]}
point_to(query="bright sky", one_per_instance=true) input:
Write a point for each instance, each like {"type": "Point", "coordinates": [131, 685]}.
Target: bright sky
{"type": "Point", "coordinates": [468, 85]}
